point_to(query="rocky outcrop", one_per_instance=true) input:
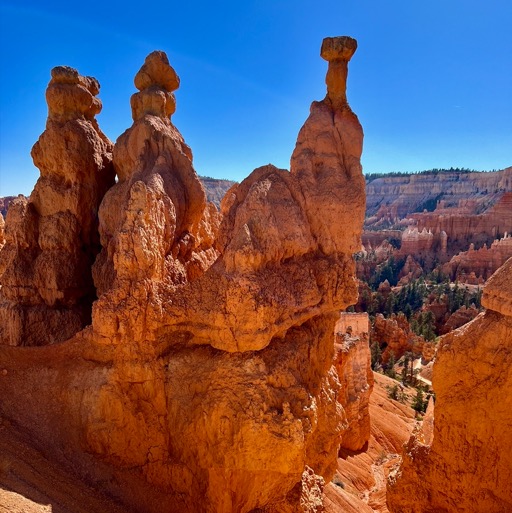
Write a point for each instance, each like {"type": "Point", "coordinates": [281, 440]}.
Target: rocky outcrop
{"type": "Point", "coordinates": [416, 242]}
{"type": "Point", "coordinates": [52, 238]}
{"type": "Point", "coordinates": [2, 231]}
{"type": "Point", "coordinates": [479, 264]}
{"type": "Point", "coordinates": [410, 271]}
{"type": "Point", "coordinates": [353, 365]}
{"type": "Point", "coordinates": [206, 380]}
{"type": "Point", "coordinates": [466, 466]}
{"type": "Point", "coordinates": [359, 485]}
{"type": "Point", "coordinates": [5, 201]}
{"type": "Point", "coordinates": [458, 318]}
{"type": "Point", "coordinates": [216, 189]}
{"type": "Point", "coordinates": [394, 335]}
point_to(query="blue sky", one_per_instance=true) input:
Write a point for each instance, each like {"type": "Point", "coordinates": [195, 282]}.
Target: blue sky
{"type": "Point", "coordinates": [431, 81]}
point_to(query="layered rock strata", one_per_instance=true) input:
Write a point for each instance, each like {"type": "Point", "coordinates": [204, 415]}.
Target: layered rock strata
{"type": "Point", "coordinates": [396, 197]}
{"type": "Point", "coordinates": [206, 382]}
{"type": "Point", "coordinates": [52, 238]}
{"type": "Point", "coordinates": [353, 365]}
{"type": "Point", "coordinates": [465, 464]}
{"type": "Point", "coordinates": [479, 264]}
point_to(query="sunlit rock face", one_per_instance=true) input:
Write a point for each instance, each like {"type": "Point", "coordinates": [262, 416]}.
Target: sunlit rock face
{"type": "Point", "coordinates": [466, 466]}
{"type": "Point", "coordinates": [52, 238]}
{"type": "Point", "coordinates": [206, 381]}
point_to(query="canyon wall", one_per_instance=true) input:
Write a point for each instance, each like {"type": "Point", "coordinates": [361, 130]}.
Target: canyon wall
{"type": "Point", "coordinates": [398, 196]}
{"type": "Point", "coordinates": [477, 265]}
{"type": "Point", "coordinates": [206, 381]}
{"type": "Point", "coordinates": [467, 466]}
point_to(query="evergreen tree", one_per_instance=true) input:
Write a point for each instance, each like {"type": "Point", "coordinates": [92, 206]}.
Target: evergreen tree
{"type": "Point", "coordinates": [419, 403]}
{"type": "Point", "coordinates": [376, 354]}
{"type": "Point", "coordinates": [390, 367]}
{"type": "Point", "coordinates": [405, 370]}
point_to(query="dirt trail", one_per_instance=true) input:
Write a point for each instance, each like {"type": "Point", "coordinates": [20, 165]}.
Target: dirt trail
{"type": "Point", "coordinates": [30, 483]}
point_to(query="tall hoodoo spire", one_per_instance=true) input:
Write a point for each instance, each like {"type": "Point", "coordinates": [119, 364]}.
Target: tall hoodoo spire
{"type": "Point", "coordinates": [337, 51]}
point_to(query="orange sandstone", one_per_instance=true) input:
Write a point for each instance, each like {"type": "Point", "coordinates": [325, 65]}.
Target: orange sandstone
{"type": "Point", "coordinates": [465, 464]}
{"type": "Point", "coordinates": [205, 382]}
{"type": "Point", "coordinates": [52, 238]}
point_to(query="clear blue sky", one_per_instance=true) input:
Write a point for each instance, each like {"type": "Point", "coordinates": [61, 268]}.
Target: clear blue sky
{"type": "Point", "coordinates": [431, 81]}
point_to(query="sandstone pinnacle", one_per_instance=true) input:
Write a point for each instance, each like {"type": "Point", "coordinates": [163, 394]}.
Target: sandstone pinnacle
{"type": "Point", "coordinates": [51, 239]}
{"type": "Point", "coordinates": [72, 96]}
{"type": "Point", "coordinates": [156, 80]}
{"type": "Point", "coordinates": [337, 51]}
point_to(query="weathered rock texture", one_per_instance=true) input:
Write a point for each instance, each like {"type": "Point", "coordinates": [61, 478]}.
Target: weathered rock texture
{"type": "Point", "coordinates": [5, 201]}
{"type": "Point", "coordinates": [359, 485]}
{"type": "Point", "coordinates": [2, 231]}
{"type": "Point", "coordinates": [353, 365]}
{"type": "Point", "coordinates": [394, 335]}
{"type": "Point", "coordinates": [396, 197]}
{"type": "Point", "coordinates": [468, 465]}
{"type": "Point", "coordinates": [52, 238]}
{"type": "Point", "coordinates": [206, 382]}
{"type": "Point", "coordinates": [216, 189]}
{"type": "Point", "coordinates": [438, 215]}
{"type": "Point", "coordinates": [479, 264]}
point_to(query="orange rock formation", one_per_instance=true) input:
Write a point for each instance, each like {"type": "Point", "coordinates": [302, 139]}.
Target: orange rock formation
{"type": "Point", "coordinates": [353, 365]}
{"type": "Point", "coordinates": [52, 238]}
{"type": "Point", "coordinates": [479, 263]}
{"type": "Point", "coordinates": [467, 464]}
{"type": "Point", "coordinates": [394, 335]}
{"type": "Point", "coordinates": [206, 380]}
{"type": "Point", "coordinates": [359, 485]}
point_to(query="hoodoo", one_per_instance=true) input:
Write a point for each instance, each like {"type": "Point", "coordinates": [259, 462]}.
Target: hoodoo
{"type": "Point", "coordinates": [206, 381]}
{"type": "Point", "coordinates": [52, 238]}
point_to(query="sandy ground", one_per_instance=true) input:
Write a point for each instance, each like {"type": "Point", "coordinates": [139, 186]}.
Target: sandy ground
{"type": "Point", "coordinates": [29, 483]}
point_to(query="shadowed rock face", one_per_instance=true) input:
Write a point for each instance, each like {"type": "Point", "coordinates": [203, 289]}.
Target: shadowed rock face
{"type": "Point", "coordinates": [206, 379]}
{"type": "Point", "coordinates": [52, 238]}
{"type": "Point", "coordinates": [467, 466]}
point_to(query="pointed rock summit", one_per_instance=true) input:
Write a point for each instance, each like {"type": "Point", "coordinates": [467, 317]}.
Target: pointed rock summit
{"type": "Point", "coordinates": [156, 81]}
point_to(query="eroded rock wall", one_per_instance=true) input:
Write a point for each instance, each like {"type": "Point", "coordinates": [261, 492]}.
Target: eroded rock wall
{"type": "Point", "coordinates": [206, 381]}
{"type": "Point", "coordinates": [467, 466]}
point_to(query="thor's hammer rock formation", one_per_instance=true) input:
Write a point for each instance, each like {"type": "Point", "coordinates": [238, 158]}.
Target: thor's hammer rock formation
{"type": "Point", "coordinates": [206, 381]}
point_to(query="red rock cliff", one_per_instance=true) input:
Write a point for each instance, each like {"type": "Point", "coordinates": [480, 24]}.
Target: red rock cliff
{"type": "Point", "coordinates": [206, 381]}
{"type": "Point", "coordinates": [468, 465]}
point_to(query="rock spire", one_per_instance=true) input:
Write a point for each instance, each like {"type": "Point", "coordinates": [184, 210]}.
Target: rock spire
{"type": "Point", "coordinates": [52, 238]}
{"type": "Point", "coordinates": [207, 380]}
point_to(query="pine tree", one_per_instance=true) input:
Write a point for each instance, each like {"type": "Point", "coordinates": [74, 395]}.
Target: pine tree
{"type": "Point", "coordinates": [376, 354]}
{"type": "Point", "coordinates": [390, 368]}
{"type": "Point", "coordinates": [419, 404]}
{"type": "Point", "coordinates": [405, 370]}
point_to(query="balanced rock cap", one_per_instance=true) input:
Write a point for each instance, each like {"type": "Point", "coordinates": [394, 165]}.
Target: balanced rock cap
{"type": "Point", "coordinates": [156, 71]}
{"type": "Point", "coordinates": [338, 48]}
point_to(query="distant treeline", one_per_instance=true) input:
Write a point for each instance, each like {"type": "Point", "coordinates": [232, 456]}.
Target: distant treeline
{"type": "Point", "coordinates": [373, 176]}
